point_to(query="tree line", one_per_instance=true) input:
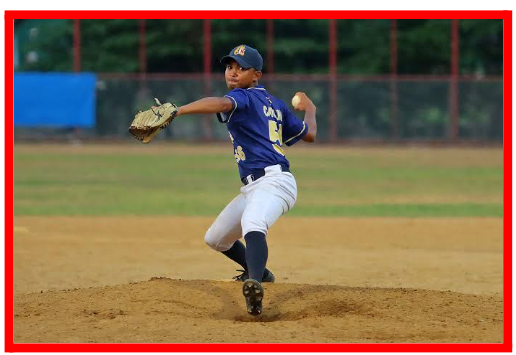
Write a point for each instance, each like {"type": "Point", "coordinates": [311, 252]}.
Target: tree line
{"type": "Point", "coordinates": [300, 46]}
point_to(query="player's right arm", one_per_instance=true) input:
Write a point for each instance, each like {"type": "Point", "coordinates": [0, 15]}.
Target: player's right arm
{"type": "Point", "coordinates": [206, 105]}
{"type": "Point", "coordinates": [308, 106]}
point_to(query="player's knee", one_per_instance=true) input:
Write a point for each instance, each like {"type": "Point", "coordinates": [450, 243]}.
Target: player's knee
{"type": "Point", "coordinates": [210, 240]}
{"type": "Point", "coordinates": [214, 242]}
{"type": "Point", "coordinates": [254, 226]}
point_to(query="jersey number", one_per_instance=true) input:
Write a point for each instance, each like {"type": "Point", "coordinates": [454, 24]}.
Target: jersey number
{"type": "Point", "coordinates": [239, 154]}
{"type": "Point", "coordinates": [275, 135]}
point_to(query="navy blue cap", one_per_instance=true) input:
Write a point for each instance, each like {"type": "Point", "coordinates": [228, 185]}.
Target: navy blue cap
{"type": "Point", "coordinates": [246, 56]}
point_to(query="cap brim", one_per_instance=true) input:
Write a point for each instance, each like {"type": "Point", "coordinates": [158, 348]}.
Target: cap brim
{"type": "Point", "coordinates": [238, 59]}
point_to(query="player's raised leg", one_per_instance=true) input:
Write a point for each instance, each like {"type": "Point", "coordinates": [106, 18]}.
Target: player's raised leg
{"type": "Point", "coordinates": [271, 196]}
{"type": "Point", "coordinates": [266, 202]}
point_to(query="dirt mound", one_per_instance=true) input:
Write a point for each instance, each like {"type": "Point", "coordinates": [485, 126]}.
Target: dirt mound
{"type": "Point", "coordinates": [163, 310]}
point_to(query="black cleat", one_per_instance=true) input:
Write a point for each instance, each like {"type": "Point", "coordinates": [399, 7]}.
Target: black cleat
{"type": "Point", "coordinates": [269, 278]}
{"type": "Point", "coordinates": [253, 293]}
{"type": "Point", "coordinates": [244, 276]}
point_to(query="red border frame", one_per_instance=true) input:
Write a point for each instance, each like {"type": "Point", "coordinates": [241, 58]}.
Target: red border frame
{"type": "Point", "coordinates": [506, 346]}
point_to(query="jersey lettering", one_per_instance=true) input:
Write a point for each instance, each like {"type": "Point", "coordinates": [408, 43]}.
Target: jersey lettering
{"type": "Point", "coordinates": [269, 112]}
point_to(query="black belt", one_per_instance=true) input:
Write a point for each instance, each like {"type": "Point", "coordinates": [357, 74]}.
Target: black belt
{"type": "Point", "coordinates": [258, 173]}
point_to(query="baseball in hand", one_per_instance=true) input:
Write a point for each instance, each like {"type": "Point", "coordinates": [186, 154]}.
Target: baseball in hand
{"type": "Point", "coordinates": [296, 100]}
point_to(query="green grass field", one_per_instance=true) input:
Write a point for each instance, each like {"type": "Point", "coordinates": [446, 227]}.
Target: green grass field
{"type": "Point", "coordinates": [200, 180]}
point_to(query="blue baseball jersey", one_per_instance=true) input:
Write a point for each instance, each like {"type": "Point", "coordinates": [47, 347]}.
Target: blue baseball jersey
{"type": "Point", "coordinates": [259, 124]}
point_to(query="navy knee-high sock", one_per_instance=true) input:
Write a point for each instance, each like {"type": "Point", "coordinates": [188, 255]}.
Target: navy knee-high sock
{"type": "Point", "coordinates": [256, 254]}
{"type": "Point", "coordinates": [237, 254]}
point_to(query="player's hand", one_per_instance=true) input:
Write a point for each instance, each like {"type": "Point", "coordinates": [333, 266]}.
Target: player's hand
{"type": "Point", "coordinates": [304, 103]}
{"type": "Point", "coordinates": [178, 113]}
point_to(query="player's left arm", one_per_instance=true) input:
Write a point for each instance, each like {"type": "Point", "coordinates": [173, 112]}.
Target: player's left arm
{"type": "Point", "coordinates": [305, 104]}
{"type": "Point", "coordinates": [206, 105]}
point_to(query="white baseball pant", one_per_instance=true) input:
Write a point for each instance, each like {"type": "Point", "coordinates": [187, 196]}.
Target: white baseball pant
{"type": "Point", "coordinates": [255, 209]}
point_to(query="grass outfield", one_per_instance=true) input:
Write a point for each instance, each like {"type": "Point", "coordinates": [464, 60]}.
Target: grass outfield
{"type": "Point", "coordinates": [198, 180]}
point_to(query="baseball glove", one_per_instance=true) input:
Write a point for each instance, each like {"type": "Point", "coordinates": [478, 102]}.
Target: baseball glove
{"type": "Point", "coordinates": [147, 124]}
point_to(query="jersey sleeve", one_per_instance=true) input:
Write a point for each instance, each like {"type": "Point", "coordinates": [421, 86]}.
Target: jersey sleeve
{"type": "Point", "coordinates": [240, 101]}
{"type": "Point", "coordinates": [293, 128]}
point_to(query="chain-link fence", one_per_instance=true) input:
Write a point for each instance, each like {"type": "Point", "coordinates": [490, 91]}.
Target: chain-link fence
{"type": "Point", "coordinates": [369, 109]}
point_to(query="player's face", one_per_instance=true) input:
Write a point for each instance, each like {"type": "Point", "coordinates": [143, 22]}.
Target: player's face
{"type": "Point", "coordinates": [240, 78]}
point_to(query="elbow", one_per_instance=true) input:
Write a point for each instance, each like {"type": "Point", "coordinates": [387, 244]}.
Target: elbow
{"type": "Point", "coordinates": [310, 137]}
{"type": "Point", "coordinates": [312, 131]}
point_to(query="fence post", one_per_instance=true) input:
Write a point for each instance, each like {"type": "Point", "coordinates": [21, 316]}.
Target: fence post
{"type": "Point", "coordinates": [143, 94]}
{"type": "Point", "coordinates": [270, 54]}
{"type": "Point", "coordinates": [394, 81]}
{"type": "Point", "coordinates": [207, 75]}
{"type": "Point", "coordinates": [77, 45]}
{"type": "Point", "coordinates": [142, 47]}
{"type": "Point", "coordinates": [333, 79]}
{"type": "Point", "coordinates": [454, 81]}
{"type": "Point", "coordinates": [270, 46]}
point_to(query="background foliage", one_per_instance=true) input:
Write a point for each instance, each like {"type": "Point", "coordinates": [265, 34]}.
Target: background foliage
{"type": "Point", "coordinates": [300, 46]}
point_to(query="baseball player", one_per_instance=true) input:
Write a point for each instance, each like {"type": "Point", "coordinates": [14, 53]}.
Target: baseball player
{"type": "Point", "coordinates": [258, 124]}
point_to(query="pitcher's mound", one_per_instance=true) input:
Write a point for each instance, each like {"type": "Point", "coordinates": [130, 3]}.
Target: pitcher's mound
{"type": "Point", "coordinates": [162, 310]}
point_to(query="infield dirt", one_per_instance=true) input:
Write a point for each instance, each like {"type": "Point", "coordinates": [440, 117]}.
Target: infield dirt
{"type": "Point", "coordinates": [346, 280]}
